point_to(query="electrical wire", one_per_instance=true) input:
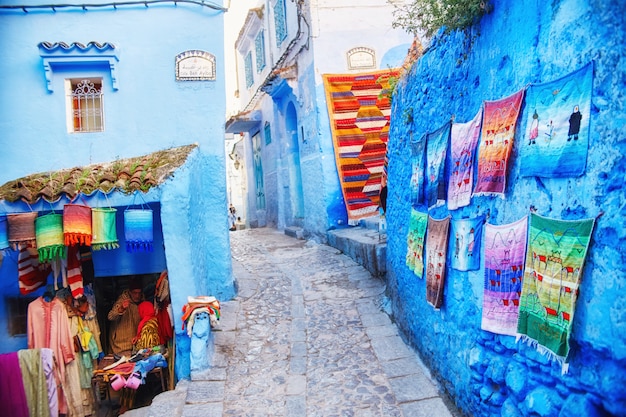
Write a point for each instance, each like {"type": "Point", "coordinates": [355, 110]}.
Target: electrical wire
{"type": "Point", "coordinates": [115, 5]}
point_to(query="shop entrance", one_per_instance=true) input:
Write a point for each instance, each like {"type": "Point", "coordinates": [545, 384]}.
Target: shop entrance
{"type": "Point", "coordinates": [111, 399]}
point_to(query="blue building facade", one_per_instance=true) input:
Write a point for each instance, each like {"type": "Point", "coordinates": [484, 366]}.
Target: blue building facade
{"type": "Point", "coordinates": [282, 52]}
{"type": "Point", "coordinates": [84, 86]}
{"type": "Point", "coordinates": [519, 43]}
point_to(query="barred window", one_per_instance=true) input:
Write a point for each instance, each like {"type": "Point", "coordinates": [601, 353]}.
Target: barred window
{"type": "Point", "coordinates": [17, 312]}
{"type": "Point", "coordinates": [268, 133]}
{"type": "Point", "coordinates": [85, 105]}
{"type": "Point", "coordinates": [259, 46]}
{"type": "Point", "coordinates": [248, 65]}
{"type": "Point", "coordinates": [280, 21]}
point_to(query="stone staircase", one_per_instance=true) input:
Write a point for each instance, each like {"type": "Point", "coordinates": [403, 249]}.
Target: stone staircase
{"type": "Point", "coordinates": [364, 243]}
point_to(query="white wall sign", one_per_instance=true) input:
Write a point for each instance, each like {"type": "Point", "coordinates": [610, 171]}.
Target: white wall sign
{"type": "Point", "coordinates": [361, 58]}
{"type": "Point", "coordinates": [195, 66]}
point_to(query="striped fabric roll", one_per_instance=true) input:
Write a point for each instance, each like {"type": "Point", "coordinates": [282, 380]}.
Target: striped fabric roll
{"type": "Point", "coordinates": [77, 224]}
{"type": "Point", "coordinates": [104, 229]}
{"type": "Point", "coordinates": [50, 239]}
{"type": "Point", "coordinates": [4, 233]}
{"type": "Point", "coordinates": [138, 230]}
{"type": "Point", "coordinates": [22, 229]}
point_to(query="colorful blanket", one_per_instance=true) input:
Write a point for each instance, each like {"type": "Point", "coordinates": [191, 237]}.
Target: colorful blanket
{"type": "Point", "coordinates": [552, 276]}
{"type": "Point", "coordinates": [436, 254]}
{"type": "Point", "coordinates": [359, 118]}
{"type": "Point", "coordinates": [463, 142]}
{"type": "Point", "coordinates": [498, 131]}
{"type": "Point", "coordinates": [436, 151]}
{"type": "Point", "coordinates": [557, 126]}
{"type": "Point", "coordinates": [465, 239]}
{"type": "Point", "coordinates": [504, 251]}
{"type": "Point", "coordinates": [415, 242]}
{"type": "Point", "coordinates": [417, 171]}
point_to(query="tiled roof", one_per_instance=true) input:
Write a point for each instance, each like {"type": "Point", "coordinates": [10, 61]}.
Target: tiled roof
{"type": "Point", "coordinates": [124, 175]}
{"type": "Point", "coordinates": [51, 46]}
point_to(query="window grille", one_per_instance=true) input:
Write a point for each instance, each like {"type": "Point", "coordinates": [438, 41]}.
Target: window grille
{"type": "Point", "coordinates": [280, 22]}
{"type": "Point", "coordinates": [87, 106]}
{"type": "Point", "coordinates": [248, 65]}
{"type": "Point", "coordinates": [259, 46]}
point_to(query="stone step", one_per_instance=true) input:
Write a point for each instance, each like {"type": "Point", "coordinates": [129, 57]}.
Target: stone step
{"type": "Point", "coordinates": [365, 246]}
{"type": "Point", "coordinates": [295, 232]}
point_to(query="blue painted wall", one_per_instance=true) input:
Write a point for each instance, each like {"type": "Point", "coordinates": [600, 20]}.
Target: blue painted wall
{"type": "Point", "coordinates": [521, 42]}
{"type": "Point", "coordinates": [149, 111]}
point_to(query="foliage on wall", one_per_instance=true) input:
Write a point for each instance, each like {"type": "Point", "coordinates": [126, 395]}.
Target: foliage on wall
{"type": "Point", "coordinates": [428, 16]}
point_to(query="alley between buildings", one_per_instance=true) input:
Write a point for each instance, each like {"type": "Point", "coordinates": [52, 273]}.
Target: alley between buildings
{"type": "Point", "coordinates": [305, 336]}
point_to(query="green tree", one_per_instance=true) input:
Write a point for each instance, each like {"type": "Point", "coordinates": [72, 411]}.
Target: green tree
{"type": "Point", "coordinates": [428, 16]}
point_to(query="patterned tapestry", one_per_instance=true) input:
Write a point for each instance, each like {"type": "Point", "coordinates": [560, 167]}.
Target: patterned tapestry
{"type": "Point", "coordinates": [359, 120]}
{"type": "Point", "coordinates": [498, 131]}
{"type": "Point", "coordinates": [436, 151]}
{"type": "Point", "coordinates": [465, 242]}
{"type": "Point", "coordinates": [436, 254]}
{"type": "Point", "coordinates": [504, 252]}
{"type": "Point", "coordinates": [417, 171]}
{"type": "Point", "coordinates": [552, 276]}
{"type": "Point", "coordinates": [463, 142]}
{"type": "Point", "coordinates": [557, 126]}
{"type": "Point", "coordinates": [415, 242]}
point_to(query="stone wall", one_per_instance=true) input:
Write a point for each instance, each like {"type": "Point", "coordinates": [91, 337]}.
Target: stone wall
{"type": "Point", "coordinates": [521, 42]}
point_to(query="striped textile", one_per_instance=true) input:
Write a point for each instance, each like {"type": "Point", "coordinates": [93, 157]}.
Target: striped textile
{"type": "Point", "coordinates": [31, 276]}
{"type": "Point", "coordinates": [49, 234]}
{"type": "Point", "coordinates": [104, 228]}
{"type": "Point", "coordinates": [22, 229]}
{"type": "Point", "coordinates": [77, 224]}
{"type": "Point", "coordinates": [138, 230]}
{"type": "Point", "coordinates": [359, 120]}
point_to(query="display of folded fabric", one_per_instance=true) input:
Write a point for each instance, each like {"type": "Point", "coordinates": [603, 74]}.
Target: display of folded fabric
{"type": "Point", "coordinates": [200, 304]}
{"type": "Point", "coordinates": [128, 372]}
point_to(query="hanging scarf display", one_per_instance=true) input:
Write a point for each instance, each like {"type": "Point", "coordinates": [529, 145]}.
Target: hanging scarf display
{"type": "Point", "coordinates": [22, 229]}
{"type": "Point", "coordinates": [4, 233]}
{"type": "Point", "coordinates": [138, 230]}
{"type": "Point", "coordinates": [555, 258]}
{"type": "Point", "coordinates": [104, 229]}
{"type": "Point", "coordinates": [415, 242]}
{"type": "Point", "coordinates": [49, 235]}
{"type": "Point", "coordinates": [77, 224]}
{"type": "Point", "coordinates": [436, 254]}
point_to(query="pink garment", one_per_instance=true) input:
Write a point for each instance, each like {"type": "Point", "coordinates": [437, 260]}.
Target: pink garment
{"type": "Point", "coordinates": [48, 327]}
{"type": "Point", "coordinates": [12, 394]}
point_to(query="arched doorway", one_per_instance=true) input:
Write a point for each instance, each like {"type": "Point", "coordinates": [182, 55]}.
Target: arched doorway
{"type": "Point", "coordinates": [296, 195]}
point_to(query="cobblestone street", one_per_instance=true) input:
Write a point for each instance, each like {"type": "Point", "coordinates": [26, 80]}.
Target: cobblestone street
{"type": "Point", "coordinates": [306, 337]}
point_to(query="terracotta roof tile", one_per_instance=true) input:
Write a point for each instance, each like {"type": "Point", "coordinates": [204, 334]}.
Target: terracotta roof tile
{"type": "Point", "coordinates": [125, 175]}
